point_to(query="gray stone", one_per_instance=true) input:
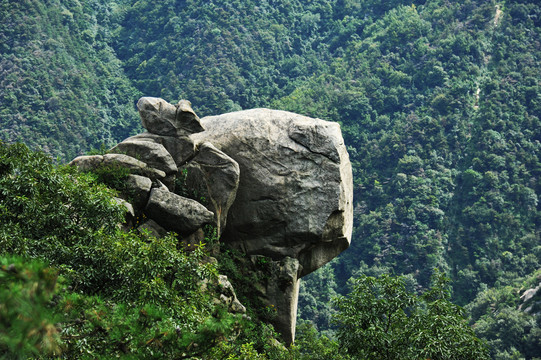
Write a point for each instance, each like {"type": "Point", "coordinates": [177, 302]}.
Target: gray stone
{"type": "Point", "coordinates": [530, 300]}
{"type": "Point", "coordinates": [280, 291]}
{"type": "Point", "coordinates": [215, 176]}
{"type": "Point", "coordinates": [152, 228]}
{"type": "Point", "coordinates": [191, 241]}
{"type": "Point", "coordinates": [176, 213]}
{"type": "Point", "coordinates": [157, 115]}
{"type": "Point", "coordinates": [138, 190]}
{"type": "Point", "coordinates": [296, 186]}
{"type": "Point", "coordinates": [181, 148]}
{"type": "Point", "coordinates": [161, 118]}
{"type": "Point", "coordinates": [129, 213]}
{"type": "Point", "coordinates": [186, 118]}
{"type": "Point", "coordinates": [88, 163]}
{"type": "Point", "coordinates": [228, 295]}
{"type": "Point", "coordinates": [136, 166]}
{"type": "Point", "coordinates": [153, 154]}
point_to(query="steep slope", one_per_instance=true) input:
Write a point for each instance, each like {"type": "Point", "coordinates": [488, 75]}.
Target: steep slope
{"type": "Point", "coordinates": [442, 117]}
{"type": "Point", "coordinates": [223, 56]}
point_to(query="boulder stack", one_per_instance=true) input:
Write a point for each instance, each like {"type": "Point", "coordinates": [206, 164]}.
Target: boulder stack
{"type": "Point", "coordinates": [154, 158]}
{"type": "Point", "coordinates": [276, 185]}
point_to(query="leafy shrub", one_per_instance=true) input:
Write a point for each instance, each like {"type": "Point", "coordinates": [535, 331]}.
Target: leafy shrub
{"type": "Point", "coordinates": [27, 322]}
{"type": "Point", "coordinates": [380, 319]}
{"type": "Point", "coordinates": [128, 296]}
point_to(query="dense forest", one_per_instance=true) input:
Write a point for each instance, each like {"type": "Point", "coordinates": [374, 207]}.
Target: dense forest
{"type": "Point", "coordinates": [439, 103]}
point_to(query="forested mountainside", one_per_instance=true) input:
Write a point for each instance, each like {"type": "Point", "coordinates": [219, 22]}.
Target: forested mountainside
{"type": "Point", "coordinates": [439, 102]}
{"type": "Point", "coordinates": [62, 88]}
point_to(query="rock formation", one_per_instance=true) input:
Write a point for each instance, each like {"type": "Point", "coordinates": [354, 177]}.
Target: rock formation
{"type": "Point", "coordinates": [294, 201]}
{"type": "Point", "coordinates": [276, 185]}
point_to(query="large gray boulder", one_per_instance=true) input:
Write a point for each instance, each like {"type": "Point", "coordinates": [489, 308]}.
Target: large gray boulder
{"type": "Point", "coordinates": [161, 118]}
{"type": "Point", "coordinates": [214, 176]}
{"type": "Point", "coordinates": [296, 187]}
{"type": "Point", "coordinates": [176, 213]}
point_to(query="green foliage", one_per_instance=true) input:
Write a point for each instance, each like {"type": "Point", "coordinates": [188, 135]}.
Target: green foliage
{"type": "Point", "coordinates": [62, 89]}
{"type": "Point", "coordinates": [311, 345]}
{"type": "Point", "coordinates": [113, 176]}
{"type": "Point", "coordinates": [27, 321]}
{"type": "Point", "coordinates": [129, 295]}
{"type": "Point", "coordinates": [380, 319]}
{"type": "Point", "coordinates": [500, 316]}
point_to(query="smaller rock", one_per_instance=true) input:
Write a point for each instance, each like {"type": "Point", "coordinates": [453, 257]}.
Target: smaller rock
{"type": "Point", "coordinates": [215, 176]}
{"type": "Point", "coordinates": [136, 166]}
{"type": "Point", "coordinates": [228, 295]}
{"type": "Point", "coordinates": [152, 228]}
{"type": "Point", "coordinates": [138, 190]}
{"type": "Point", "coordinates": [92, 162]}
{"type": "Point", "coordinates": [157, 115]}
{"type": "Point", "coordinates": [181, 148]}
{"type": "Point", "coordinates": [186, 118]}
{"type": "Point", "coordinates": [176, 213]}
{"type": "Point", "coordinates": [161, 118]}
{"type": "Point", "coordinates": [159, 185]}
{"type": "Point", "coordinates": [87, 162]}
{"type": "Point", "coordinates": [153, 154]}
{"type": "Point", "coordinates": [194, 239]}
{"type": "Point", "coordinates": [531, 300]}
{"type": "Point", "coordinates": [237, 307]}
{"type": "Point", "coordinates": [129, 215]}
{"type": "Point", "coordinates": [279, 291]}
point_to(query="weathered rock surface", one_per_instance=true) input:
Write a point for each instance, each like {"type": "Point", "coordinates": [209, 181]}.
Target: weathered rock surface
{"type": "Point", "coordinates": [530, 300]}
{"type": "Point", "coordinates": [153, 154]}
{"type": "Point", "coordinates": [181, 148]}
{"type": "Point", "coordinates": [176, 213]}
{"type": "Point", "coordinates": [138, 190]}
{"type": "Point", "coordinates": [161, 118]}
{"type": "Point", "coordinates": [152, 228]}
{"type": "Point", "coordinates": [214, 175]}
{"type": "Point", "coordinates": [92, 162]}
{"type": "Point", "coordinates": [186, 118]}
{"type": "Point", "coordinates": [228, 295]}
{"type": "Point", "coordinates": [280, 291]}
{"type": "Point", "coordinates": [277, 185]}
{"type": "Point", "coordinates": [294, 202]}
{"type": "Point", "coordinates": [87, 162]}
{"type": "Point", "coordinates": [296, 187]}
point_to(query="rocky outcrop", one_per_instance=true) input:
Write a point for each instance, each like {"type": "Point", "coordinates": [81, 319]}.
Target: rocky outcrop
{"type": "Point", "coordinates": [276, 185]}
{"type": "Point", "coordinates": [295, 195]}
{"type": "Point", "coordinates": [530, 300]}
{"type": "Point", "coordinates": [279, 291]}
{"type": "Point", "coordinates": [93, 162]}
{"type": "Point", "coordinates": [296, 187]}
{"type": "Point", "coordinates": [181, 148]}
{"type": "Point", "coordinates": [153, 159]}
{"type": "Point", "coordinates": [153, 154]}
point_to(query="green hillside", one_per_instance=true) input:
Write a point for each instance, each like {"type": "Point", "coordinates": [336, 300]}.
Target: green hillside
{"type": "Point", "coordinates": [439, 102]}
{"type": "Point", "coordinates": [62, 88]}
